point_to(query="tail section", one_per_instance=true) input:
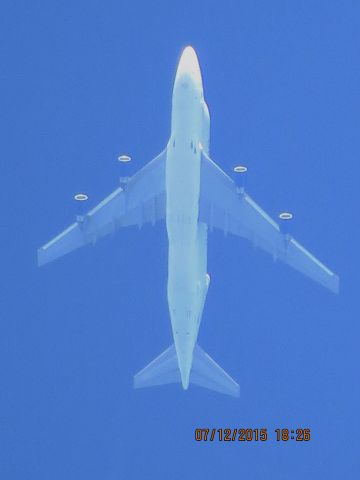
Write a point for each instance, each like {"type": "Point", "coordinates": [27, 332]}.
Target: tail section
{"type": "Point", "coordinates": [162, 370]}
{"type": "Point", "coordinates": [205, 372]}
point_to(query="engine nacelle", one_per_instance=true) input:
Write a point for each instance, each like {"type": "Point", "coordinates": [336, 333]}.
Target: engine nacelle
{"type": "Point", "coordinates": [125, 161]}
{"type": "Point", "coordinates": [285, 220]}
{"type": "Point", "coordinates": [239, 174]}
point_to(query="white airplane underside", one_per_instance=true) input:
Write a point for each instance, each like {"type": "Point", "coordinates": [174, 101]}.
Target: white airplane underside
{"type": "Point", "coordinates": [184, 187]}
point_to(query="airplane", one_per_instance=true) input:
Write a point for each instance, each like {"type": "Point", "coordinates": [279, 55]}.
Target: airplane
{"type": "Point", "coordinates": [187, 189]}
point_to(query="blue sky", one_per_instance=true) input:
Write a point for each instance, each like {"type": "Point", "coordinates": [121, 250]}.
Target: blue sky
{"type": "Point", "coordinates": [82, 82]}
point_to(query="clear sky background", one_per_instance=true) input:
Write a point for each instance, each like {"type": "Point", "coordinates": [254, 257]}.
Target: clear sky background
{"type": "Point", "coordinates": [84, 81]}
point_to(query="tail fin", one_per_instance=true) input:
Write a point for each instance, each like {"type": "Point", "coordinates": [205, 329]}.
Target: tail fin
{"type": "Point", "coordinates": [205, 372]}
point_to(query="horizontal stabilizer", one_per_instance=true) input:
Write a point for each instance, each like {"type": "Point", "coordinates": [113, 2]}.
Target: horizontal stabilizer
{"type": "Point", "coordinates": [164, 369]}
{"type": "Point", "coordinates": [205, 372]}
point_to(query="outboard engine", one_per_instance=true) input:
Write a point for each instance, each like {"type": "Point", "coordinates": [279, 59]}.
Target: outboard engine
{"type": "Point", "coordinates": [239, 175]}
{"type": "Point", "coordinates": [125, 162]}
{"type": "Point", "coordinates": [284, 223]}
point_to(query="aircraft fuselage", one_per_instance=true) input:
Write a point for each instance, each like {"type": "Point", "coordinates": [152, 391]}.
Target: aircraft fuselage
{"type": "Point", "coordinates": [187, 278]}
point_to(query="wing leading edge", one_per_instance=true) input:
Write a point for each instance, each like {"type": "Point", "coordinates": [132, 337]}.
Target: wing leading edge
{"type": "Point", "coordinates": [142, 200]}
{"type": "Point", "coordinates": [223, 206]}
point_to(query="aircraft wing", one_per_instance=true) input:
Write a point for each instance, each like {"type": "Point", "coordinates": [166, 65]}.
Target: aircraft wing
{"type": "Point", "coordinates": [224, 206]}
{"type": "Point", "coordinates": [141, 200]}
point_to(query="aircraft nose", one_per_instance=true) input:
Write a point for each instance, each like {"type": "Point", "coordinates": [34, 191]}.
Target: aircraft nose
{"type": "Point", "coordinates": [188, 61]}
{"type": "Point", "coordinates": [189, 69]}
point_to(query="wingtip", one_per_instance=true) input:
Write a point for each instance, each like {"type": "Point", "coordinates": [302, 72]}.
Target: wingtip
{"type": "Point", "coordinates": [236, 391]}
{"type": "Point", "coordinates": [333, 284]}
{"type": "Point", "coordinates": [38, 258]}
{"type": "Point", "coordinates": [41, 260]}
